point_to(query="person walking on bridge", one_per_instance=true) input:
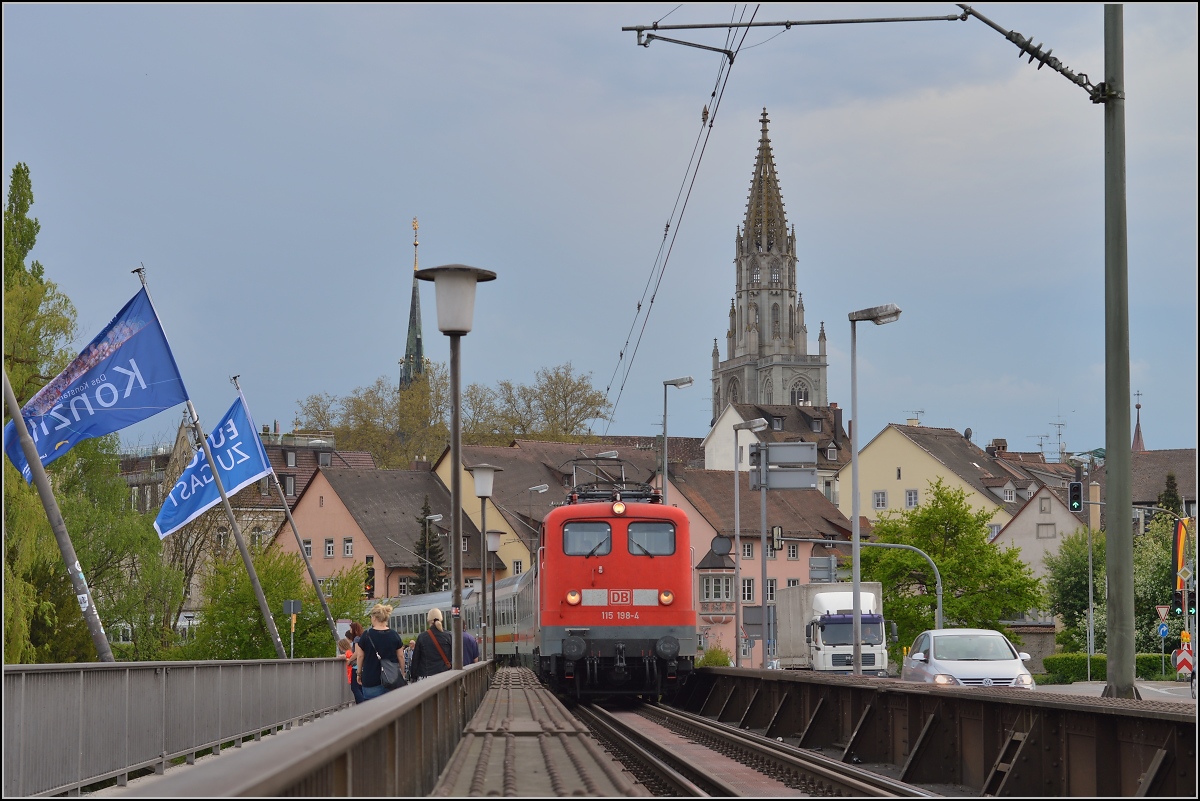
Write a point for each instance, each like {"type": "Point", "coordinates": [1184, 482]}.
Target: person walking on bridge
{"type": "Point", "coordinates": [431, 654]}
{"type": "Point", "coordinates": [377, 644]}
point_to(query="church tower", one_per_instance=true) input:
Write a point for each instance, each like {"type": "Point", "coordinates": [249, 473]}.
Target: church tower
{"type": "Point", "coordinates": [767, 360]}
{"type": "Point", "coordinates": [413, 365]}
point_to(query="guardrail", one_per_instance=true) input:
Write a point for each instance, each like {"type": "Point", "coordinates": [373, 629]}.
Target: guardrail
{"type": "Point", "coordinates": [992, 741]}
{"type": "Point", "coordinates": [67, 726]}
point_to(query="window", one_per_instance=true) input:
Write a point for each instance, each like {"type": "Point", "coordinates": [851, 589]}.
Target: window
{"type": "Point", "coordinates": [747, 550]}
{"type": "Point", "coordinates": [1046, 531]}
{"type": "Point", "coordinates": [911, 499]}
{"type": "Point", "coordinates": [747, 590]}
{"type": "Point", "coordinates": [222, 537]}
{"type": "Point", "coordinates": [289, 486]}
{"type": "Point", "coordinates": [897, 473]}
{"type": "Point", "coordinates": [321, 500]}
{"type": "Point", "coordinates": [770, 550]}
{"type": "Point", "coordinates": [133, 499]}
{"type": "Point", "coordinates": [256, 537]}
{"type": "Point", "coordinates": [771, 590]}
{"type": "Point", "coordinates": [324, 459]}
{"type": "Point", "coordinates": [1044, 505]}
{"type": "Point", "coordinates": [993, 530]}
{"type": "Point", "coordinates": [289, 458]}
{"type": "Point", "coordinates": [651, 539]}
{"type": "Point", "coordinates": [793, 550]}
{"type": "Point", "coordinates": [799, 394]}
{"type": "Point", "coordinates": [464, 545]}
{"type": "Point", "coordinates": [816, 426]}
{"type": "Point", "coordinates": [329, 548]}
{"type": "Point", "coordinates": [264, 485]}
{"type": "Point", "coordinates": [793, 582]}
{"type": "Point", "coordinates": [775, 272]}
{"type": "Point", "coordinates": [1009, 496]}
{"type": "Point", "coordinates": [716, 588]}
{"type": "Point", "coordinates": [587, 539]}
{"type": "Point", "coordinates": [879, 500]}
{"type": "Point", "coordinates": [777, 423]}
{"type": "Point", "coordinates": [348, 546]}
{"type": "Point", "coordinates": [755, 274]}
{"type": "Point", "coordinates": [308, 548]}
{"type": "Point", "coordinates": [831, 454]}
{"type": "Point", "coordinates": [518, 567]}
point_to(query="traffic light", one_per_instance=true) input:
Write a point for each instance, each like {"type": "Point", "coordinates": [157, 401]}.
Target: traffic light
{"type": "Point", "coordinates": [369, 584]}
{"type": "Point", "coordinates": [1075, 496]}
{"type": "Point", "coordinates": [1177, 603]}
{"type": "Point", "coordinates": [1191, 603]}
{"type": "Point", "coordinates": [777, 538]}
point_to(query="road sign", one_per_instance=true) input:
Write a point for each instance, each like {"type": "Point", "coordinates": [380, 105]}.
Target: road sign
{"type": "Point", "coordinates": [1183, 660]}
{"type": "Point", "coordinates": [1162, 611]}
{"type": "Point", "coordinates": [1185, 573]}
{"type": "Point", "coordinates": [1162, 630]}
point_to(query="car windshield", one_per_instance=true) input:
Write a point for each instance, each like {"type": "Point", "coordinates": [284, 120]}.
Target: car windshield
{"type": "Point", "coordinates": [843, 633]}
{"type": "Point", "coordinates": [972, 648]}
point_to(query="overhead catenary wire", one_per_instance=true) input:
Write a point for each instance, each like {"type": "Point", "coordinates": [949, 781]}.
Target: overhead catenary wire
{"type": "Point", "coordinates": [671, 232]}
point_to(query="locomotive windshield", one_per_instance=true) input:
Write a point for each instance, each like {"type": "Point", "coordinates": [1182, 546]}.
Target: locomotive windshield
{"type": "Point", "coordinates": [582, 538]}
{"type": "Point", "coordinates": [652, 539]}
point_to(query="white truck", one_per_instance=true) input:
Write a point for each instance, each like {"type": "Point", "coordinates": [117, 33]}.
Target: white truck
{"type": "Point", "coordinates": [816, 623]}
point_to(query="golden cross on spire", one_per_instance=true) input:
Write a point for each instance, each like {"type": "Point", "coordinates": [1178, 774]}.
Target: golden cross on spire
{"type": "Point", "coordinates": [415, 243]}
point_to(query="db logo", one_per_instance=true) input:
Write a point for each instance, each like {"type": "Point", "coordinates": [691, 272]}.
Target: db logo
{"type": "Point", "coordinates": [620, 597]}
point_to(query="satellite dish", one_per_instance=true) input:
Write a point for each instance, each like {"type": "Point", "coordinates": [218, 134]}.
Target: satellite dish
{"type": "Point", "coordinates": [721, 545]}
{"type": "Point", "coordinates": [967, 434]}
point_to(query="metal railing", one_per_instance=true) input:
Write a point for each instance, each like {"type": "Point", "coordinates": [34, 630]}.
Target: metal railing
{"type": "Point", "coordinates": [67, 726]}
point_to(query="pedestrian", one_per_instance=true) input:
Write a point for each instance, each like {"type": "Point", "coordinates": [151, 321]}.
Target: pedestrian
{"type": "Point", "coordinates": [431, 653]}
{"type": "Point", "coordinates": [470, 649]}
{"type": "Point", "coordinates": [376, 644]}
{"type": "Point", "coordinates": [353, 633]}
{"type": "Point", "coordinates": [408, 653]}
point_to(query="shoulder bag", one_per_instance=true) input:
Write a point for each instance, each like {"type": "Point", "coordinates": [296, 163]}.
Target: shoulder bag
{"type": "Point", "coordinates": [390, 675]}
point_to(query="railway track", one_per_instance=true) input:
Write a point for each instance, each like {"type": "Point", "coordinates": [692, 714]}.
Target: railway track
{"type": "Point", "coordinates": [678, 754]}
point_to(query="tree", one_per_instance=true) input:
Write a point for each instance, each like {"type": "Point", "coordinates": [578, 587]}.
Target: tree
{"type": "Point", "coordinates": [231, 626]}
{"type": "Point", "coordinates": [1169, 498]}
{"type": "Point", "coordinates": [566, 401]}
{"type": "Point", "coordinates": [982, 583]}
{"type": "Point", "coordinates": [428, 549]}
{"type": "Point", "coordinates": [1067, 584]}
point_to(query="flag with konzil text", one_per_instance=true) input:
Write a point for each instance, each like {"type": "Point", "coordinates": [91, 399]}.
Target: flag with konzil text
{"type": "Point", "coordinates": [241, 460]}
{"type": "Point", "coordinates": [125, 375]}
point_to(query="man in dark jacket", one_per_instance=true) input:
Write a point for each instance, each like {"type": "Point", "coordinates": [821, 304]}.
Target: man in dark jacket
{"type": "Point", "coordinates": [432, 653]}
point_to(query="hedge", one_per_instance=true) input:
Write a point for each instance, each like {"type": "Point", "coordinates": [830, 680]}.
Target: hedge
{"type": "Point", "coordinates": [1073, 667]}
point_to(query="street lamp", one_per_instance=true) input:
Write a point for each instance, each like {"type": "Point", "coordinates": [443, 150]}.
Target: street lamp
{"type": "Point", "coordinates": [757, 424]}
{"type": "Point", "coordinates": [493, 545]}
{"type": "Point", "coordinates": [483, 475]}
{"type": "Point", "coordinates": [681, 383]}
{"type": "Point", "coordinates": [454, 286]}
{"type": "Point", "coordinates": [879, 315]}
{"type": "Point", "coordinates": [540, 488]}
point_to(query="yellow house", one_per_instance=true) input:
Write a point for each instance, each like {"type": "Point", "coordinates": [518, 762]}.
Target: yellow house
{"type": "Point", "coordinates": [897, 466]}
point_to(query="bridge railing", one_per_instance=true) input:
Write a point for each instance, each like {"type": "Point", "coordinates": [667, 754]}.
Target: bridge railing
{"type": "Point", "coordinates": [67, 726]}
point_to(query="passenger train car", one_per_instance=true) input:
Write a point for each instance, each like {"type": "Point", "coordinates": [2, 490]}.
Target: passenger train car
{"type": "Point", "coordinates": [609, 608]}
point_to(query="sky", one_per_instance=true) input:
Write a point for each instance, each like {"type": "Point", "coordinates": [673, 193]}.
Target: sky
{"type": "Point", "coordinates": [265, 163]}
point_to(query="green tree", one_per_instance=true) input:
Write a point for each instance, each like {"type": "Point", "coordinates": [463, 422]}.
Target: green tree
{"type": "Point", "coordinates": [1169, 498]}
{"type": "Point", "coordinates": [231, 626]}
{"type": "Point", "coordinates": [428, 549]}
{"type": "Point", "coordinates": [566, 401]}
{"type": "Point", "coordinates": [982, 583]}
{"type": "Point", "coordinates": [1067, 584]}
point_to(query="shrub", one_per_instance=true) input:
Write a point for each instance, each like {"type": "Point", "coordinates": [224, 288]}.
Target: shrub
{"type": "Point", "coordinates": [1066, 668]}
{"type": "Point", "coordinates": [714, 656]}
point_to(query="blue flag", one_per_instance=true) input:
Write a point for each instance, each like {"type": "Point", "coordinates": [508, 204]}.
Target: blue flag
{"type": "Point", "coordinates": [126, 374]}
{"type": "Point", "coordinates": [240, 457]}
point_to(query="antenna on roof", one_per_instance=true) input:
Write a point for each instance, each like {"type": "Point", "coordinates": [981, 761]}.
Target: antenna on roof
{"type": "Point", "coordinates": [915, 413]}
{"type": "Point", "coordinates": [1041, 438]}
{"type": "Point", "coordinates": [1062, 446]}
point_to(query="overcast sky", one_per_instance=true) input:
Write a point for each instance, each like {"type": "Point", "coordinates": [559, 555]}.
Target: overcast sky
{"type": "Point", "coordinates": [265, 162]}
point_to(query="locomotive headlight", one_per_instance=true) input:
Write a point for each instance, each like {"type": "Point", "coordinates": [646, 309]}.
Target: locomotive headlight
{"type": "Point", "coordinates": [666, 597]}
{"type": "Point", "coordinates": [618, 508]}
{"type": "Point", "coordinates": [573, 597]}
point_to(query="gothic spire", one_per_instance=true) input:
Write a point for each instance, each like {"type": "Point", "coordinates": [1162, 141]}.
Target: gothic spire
{"type": "Point", "coordinates": [414, 351]}
{"type": "Point", "coordinates": [1139, 446]}
{"type": "Point", "coordinates": [766, 226]}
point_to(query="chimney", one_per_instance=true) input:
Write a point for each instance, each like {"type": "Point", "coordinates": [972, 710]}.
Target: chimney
{"type": "Point", "coordinates": [420, 463]}
{"type": "Point", "coordinates": [266, 429]}
{"type": "Point", "coordinates": [837, 424]}
{"type": "Point", "coordinates": [914, 421]}
{"type": "Point", "coordinates": [276, 426]}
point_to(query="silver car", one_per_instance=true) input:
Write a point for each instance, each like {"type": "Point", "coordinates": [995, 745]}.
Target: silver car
{"type": "Point", "coordinates": [966, 657]}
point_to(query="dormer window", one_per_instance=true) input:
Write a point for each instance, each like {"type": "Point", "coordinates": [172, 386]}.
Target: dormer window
{"type": "Point", "coordinates": [831, 454]}
{"type": "Point", "coordinates": [1009, 496]}
{"type": "Point", "coordinates": [289, 458]}
{"type": "Point", "coordinates": [777, 423]}
{"type": "Point", "coordinates": [325, 459]}
{"type": "Point", "coordinates": [816, 426]}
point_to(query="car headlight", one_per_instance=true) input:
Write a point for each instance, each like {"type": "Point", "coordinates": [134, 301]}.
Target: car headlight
{"type": "Point", "coordinates": [1024, 680]}
{"type": "Point", "coordinates": [944, 679]}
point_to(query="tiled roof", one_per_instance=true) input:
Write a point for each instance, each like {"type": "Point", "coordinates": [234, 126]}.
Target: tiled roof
{"type": "Point", "coordinates": [796, 425]}
{"type": "Point", "coordinates": [687, 451]}
{"type": "Point", "coordinates": [1150, 470]}
{"type": "Point", "coordinates": [962, 457]}
{"type": "Point", "coordinates": [388, 503]}
{"type": "Point", "coordinates": [802, 513]}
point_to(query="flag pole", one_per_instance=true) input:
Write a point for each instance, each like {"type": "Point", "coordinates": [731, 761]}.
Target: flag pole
{"type": "Point", "coordinates": [86, 603]}
{"type": "Point", "coordinates": [312, 573]}
{"type": "Point", "coordinates": [237, 532]}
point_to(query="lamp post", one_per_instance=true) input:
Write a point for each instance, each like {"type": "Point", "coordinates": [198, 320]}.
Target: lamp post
{"type": "Point", "coordinates": [493, 545]}
{"type": "Point", "coordinates": [680, 383]}
{"type": "Point", "coordinates": [540, 488]}
{"type": "Point", "coordinates": [757, 424]}
{"type": "Point", "coordinates": [454, 287]}
{"type": "Point", "coordinates": [879, 315]}
{"type": "Point", "coordinates": [483, 475]}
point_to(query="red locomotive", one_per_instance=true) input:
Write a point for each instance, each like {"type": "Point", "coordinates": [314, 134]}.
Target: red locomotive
{"type": "Point", "coordinates": [615, 605]}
